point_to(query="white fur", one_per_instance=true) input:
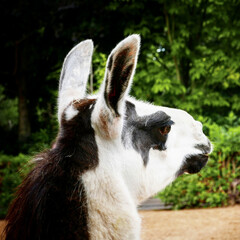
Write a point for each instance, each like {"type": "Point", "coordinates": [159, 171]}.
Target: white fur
{"type": "Point", "coordinates": [112, 210]}
{"type": "Point", "coordinates": [125, 182]}
{"type": "Point", "coordinates": [74, 75]}
{"type": "Point", "coordinates": [70, 112]}
{"type": "Point", "coordinates": [121, 181]}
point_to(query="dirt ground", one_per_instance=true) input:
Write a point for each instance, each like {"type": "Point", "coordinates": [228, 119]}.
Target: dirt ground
{"type": "Point", "coordinates": [200, 224]}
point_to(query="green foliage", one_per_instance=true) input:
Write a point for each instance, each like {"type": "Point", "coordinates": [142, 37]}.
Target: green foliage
{"type": "Point", "coordinates": [98, 65]}
{"type": "Point", "coordinates": [39, 141]}
{"type": "Point", "coordinates": [12, 171]}
{"type": "Point", "coordinates": [8, 111]}
{"type": "Point", "coordinates": [218, 183]}
{"type": "Point", "coordinates": [192, 62]}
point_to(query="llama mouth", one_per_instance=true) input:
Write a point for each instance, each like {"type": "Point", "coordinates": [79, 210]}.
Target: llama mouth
{"type": "Point", "coordinates": [193, 164]}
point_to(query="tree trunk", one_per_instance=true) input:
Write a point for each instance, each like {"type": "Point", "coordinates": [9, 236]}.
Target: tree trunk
{"type": "Point", "coordinates": [24, 129]}
{"type": "Point", "coordinates": [20, 72]}
{"type": "Point", "coordinates": [170, 39]}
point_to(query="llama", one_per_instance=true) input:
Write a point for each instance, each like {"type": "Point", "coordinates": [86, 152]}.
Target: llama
{"type": "Point", "coordinates": [111, 153]}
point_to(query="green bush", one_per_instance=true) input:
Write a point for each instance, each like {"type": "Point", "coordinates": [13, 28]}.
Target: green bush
{"type": "Point", "coordinates": [12, 171]}
{"type": "Point", "coordinates": [218, 184]}
{"type": "Point", "coordinates": [39, 141]}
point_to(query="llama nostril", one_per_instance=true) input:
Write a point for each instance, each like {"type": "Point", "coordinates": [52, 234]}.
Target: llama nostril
{"type": "Point", "coordinates": [205, 149]}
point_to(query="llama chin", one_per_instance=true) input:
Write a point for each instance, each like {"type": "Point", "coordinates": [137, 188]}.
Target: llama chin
{"type": "Point", "coordinates": [111, 153]}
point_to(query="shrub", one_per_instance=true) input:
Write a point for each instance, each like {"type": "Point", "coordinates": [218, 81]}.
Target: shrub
{"type": "Point", "coordinates": [39, 141]}
{"type": "Point", "coordinates": [218, 184]}
{"type": "Point", "coordinates": [12, 171]}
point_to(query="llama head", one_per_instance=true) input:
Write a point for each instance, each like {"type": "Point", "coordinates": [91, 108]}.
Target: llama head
{"type": "Point", "coordinates": [148, 145]}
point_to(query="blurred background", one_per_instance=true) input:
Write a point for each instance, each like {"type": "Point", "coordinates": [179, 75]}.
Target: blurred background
{"type": "Point", "coordinates": [189, 59]}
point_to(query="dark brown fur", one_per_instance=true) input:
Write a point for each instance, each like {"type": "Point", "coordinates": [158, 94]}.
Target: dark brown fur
{"type": "Point", "coordinates": [51, 201]}
{"type": "Point", "coordinates": [121, 67]}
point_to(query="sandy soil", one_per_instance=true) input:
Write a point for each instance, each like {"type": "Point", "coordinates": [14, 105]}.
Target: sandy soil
{"type": "Point", "coordinates": [2, 224]}
{"type": "Point", "coordinates": [200, 224]}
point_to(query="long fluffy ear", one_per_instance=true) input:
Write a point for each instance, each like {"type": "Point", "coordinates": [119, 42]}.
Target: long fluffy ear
{"type": "Point", "coordinates": [74, 75]}
{"type": "Point", "coordinates": [119, 72]}
{"type": "Point", "coordinates": [109, 109]}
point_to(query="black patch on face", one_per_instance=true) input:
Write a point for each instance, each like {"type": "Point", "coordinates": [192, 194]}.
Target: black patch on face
{"type": "Point", "coordinates": [51, 202]}
{"type": "Point", "coordinates": [193, 164]}
{"type": "Point", "coordinates": [146, 132]}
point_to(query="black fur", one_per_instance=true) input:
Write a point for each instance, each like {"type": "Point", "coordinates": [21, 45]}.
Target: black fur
{"type": "Point", "coordinates": [146, 132]}
{"type": "Point", "coordinates": [51, 201]}
{"type": "Point", "coordinates": [193, 164]}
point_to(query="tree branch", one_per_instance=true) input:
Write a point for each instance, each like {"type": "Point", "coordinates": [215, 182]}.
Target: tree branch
{"type": "Point", "coordinates": [170, 38]}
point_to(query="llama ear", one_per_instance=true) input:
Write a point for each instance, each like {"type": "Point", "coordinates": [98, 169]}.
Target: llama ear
{"type": "Point", "coordinates": [119, 72]}
{"type": "Point", "coordinates": [74, 75]}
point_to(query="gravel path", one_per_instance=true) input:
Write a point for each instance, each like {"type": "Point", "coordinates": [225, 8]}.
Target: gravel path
{"type": "Point", "coordinates": [199, 224]}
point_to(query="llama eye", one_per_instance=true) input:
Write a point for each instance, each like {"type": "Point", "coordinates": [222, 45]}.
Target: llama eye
{"type": "Point", "coordinates": [165, 130]}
